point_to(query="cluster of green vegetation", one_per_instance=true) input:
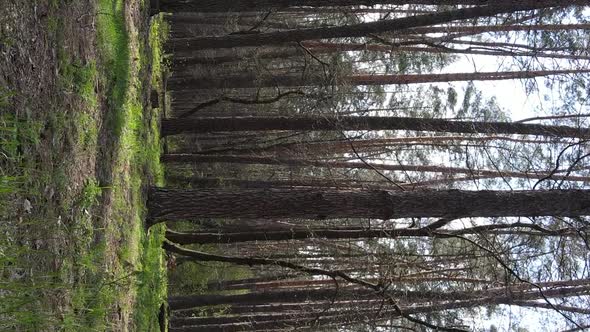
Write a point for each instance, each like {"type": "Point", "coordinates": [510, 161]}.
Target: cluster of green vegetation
{"type": "Point", "coordinates": [72, 258]}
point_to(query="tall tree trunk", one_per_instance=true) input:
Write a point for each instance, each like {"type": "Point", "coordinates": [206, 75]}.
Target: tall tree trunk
{"type": "Point", "coordinates": [475, 173]}
{"type": "Point", "coordinates": [231, 284]}
{"type": "Point", "coordinates": [278, 307]}
{"type": "Point", "coordinates": [287, 296]}
{"type": "Point", "coordinates": [519, 292]}
{"type": "Point", "coordinates": [265, 285]}
{"type": "Point", "coordinates": [251, 81]}
{"type": "Point", "coordinates": [463, 29]}
{"type": "Point", "coordinates": [363, 29]}
{"type": "Point", "coordinates": [250, 184]}
{"type": "Point", "coordinates": [182, 63]}
{"type": "Point", "coordinates": [326, 47]}
{"type": "Point", "coordinates": [268, 325]}
{"type": "Point", "coordinates": [265, 5]}
{"type": "Point", "coordinates": [327, 149]}
{"type": "Point", "coordinates": [360, 233]}
{"type": "Point", "coordinates": [281, 319]}
{"type": "Point", "coordinates": [344, 145]}
{"type": "Point", "coordinates": [178, 204]}
{"type": "Point", "coordinates": [353, 123]}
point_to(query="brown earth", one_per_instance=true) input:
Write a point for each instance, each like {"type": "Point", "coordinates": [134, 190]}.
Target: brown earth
{"type": "Point", "coordinates": [39, 41]}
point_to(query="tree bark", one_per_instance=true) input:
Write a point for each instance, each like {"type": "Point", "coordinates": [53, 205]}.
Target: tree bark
{"type": "Point", "coordinates": [265, 285]}
{"type": "Point", "coordinates": [178, 204]}
{"type": "Point", "coordinates": [362, 29]}
{"type": "Point", "coordinates": [474, 173]}
{"type": "Point", "coordinates": [267, 325]}
{"type": "Point", "coordinates": [182, 63]}
{"type": "Point", "coordinates": [203, 125]}
{"type": "Point", "coordinates": [288, 296]}
{"type": "Point", "coordinates": [360, 233]}
{"type": "Point", "coordinates": [519, 292]}
{"type": "Point", "coordinates": [250, 184]}
{"type": "Point", "coordinates": [251, 81]}
{"type": "Point", "coordinates": [231, 284]}
{"type": "Point", "coordinates": [278, 307]}
{"type": "Point", "coordinates": [264, 5]}
{"type": "Point", "coordinates": [344, 145]}
{"type": "Point", "coordinates": [280, 319]}
{"type": "Point", "coordinates": [463, 29]}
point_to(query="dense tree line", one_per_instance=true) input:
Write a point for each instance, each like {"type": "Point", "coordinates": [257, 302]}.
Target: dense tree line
{"type": "Point", "coordinates": [318, 144]}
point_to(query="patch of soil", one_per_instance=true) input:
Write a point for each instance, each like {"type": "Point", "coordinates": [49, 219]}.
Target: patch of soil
{"type": "Point", "coordinates": [32, 35]}
{"type": "Point", "coordinates": [37, 40]}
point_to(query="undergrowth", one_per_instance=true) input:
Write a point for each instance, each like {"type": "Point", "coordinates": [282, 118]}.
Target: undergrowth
{"type": "Point", "coordinates": [82, 260]}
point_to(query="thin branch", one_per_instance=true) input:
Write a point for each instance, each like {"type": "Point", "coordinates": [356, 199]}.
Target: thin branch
{"type": "Point", "coordinates": [239, 101]}
{"type": "Point", "coordinates": [518, 277]}
{"type": "Point", "coordinates": [371, 165]}
{"type": "Point", "coordinates": [250, 261]}
{"type": "Point", "coordinates": [437, 224]}
{"type": "Point", "coordinates": [552, 117]}
{"type": "Point", "coordinates": [557, 162]}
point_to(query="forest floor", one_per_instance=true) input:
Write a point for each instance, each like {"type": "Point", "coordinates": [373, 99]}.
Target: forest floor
{"type": "Point", "coordinates": [79, 146]}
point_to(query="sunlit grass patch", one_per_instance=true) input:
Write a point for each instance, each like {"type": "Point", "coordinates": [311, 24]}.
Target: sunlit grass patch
{"type": "Point", "coordinates": [16, 137]}
{"type": "Point", "coordinates": [113, 44]}
{"type": "Point", "coordinates": [136, 165]}
{"type": "Point", "coordinates": [152, 281]}
{"type": "Point", "coordinates": [80, 79]}
{"type": "Point", "coordinates": [87, 131]}
{"type": "Point", "coordinates": [95, 267]}
{"type": "Point", "coordinates": [159, 31]}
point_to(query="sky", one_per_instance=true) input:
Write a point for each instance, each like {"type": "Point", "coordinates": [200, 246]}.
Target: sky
{"type": "Point", "coordinates": [511, 94]}
{"type": "Point", "coordinates": [513, 99]}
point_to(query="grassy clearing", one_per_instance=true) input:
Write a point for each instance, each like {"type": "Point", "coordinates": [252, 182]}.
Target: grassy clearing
{"type": "Point", "coordinates": [74, 253]}
{"type": "Point", "coordinates": [44, 218]}
{"type": "Point", "coordinates": [136, 161]}
{"type": "Point", "coordinates": [113, 43]}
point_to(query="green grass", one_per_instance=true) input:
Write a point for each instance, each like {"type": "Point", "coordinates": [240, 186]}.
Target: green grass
{"type": "Point", "coordinates": [19, 305]}
{"type": "Point", "coordinates": [79, 79]}
{"type": "Point", "coordinates": [87, 133]}
{"type": "Point", "coordinates": [113, 44]}
{"type": "Point", "coordinates": [106, 262]}
{"type": "Point", "coordinates": [136, 162]}
{"type": "Point", "coordinates": [159, 31]}
{"type": "Point", "coordinates": [151, 282]}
